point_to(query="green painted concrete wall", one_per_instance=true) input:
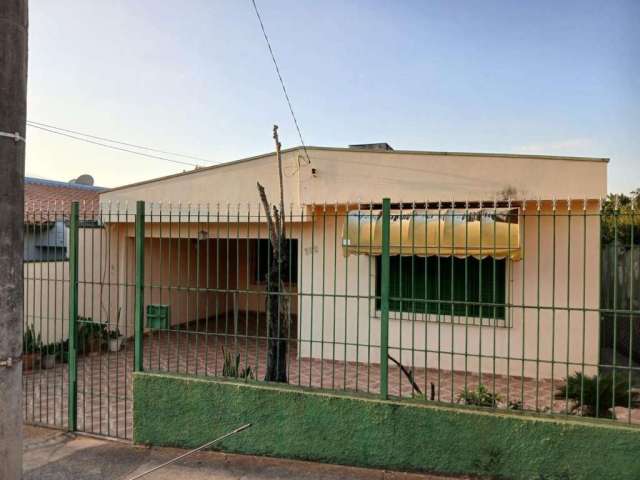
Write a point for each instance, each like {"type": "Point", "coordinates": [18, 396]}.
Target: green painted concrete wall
{"type": "Point", "coordinates": [292, 423]}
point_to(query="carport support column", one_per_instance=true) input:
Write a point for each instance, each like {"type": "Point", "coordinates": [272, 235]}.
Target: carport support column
{"type": "Point", "coordinates": [384, 300]}
{"type": "Point", "coordinates": [72, 404]}
{"type": "Point", "coordinates": [139, 296]}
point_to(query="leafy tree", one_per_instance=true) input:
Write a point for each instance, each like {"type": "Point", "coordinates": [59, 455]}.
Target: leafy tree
{"type": "Point", "coordinates": [621, 218]}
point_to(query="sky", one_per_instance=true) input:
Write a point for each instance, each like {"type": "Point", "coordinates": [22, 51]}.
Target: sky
{"type": "Point", "coordinates": [195, 77]}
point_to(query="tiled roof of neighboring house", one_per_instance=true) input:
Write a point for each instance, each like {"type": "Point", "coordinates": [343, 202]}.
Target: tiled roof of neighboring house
{"type": "Point", "coordinates": [48, 200]}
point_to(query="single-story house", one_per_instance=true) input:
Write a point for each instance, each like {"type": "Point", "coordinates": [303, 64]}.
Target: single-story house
{"type": "Point", "coordinates": [523, 303]}
{"type": "Point", "coordinates": [47, 205]}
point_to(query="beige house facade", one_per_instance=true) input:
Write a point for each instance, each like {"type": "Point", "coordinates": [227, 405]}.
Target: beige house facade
{"type": "Point", "coordinates": [205, 232]}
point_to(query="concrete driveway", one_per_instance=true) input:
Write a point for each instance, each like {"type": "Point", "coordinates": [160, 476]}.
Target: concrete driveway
{"type": "Point", "coordinates": [55, 455]}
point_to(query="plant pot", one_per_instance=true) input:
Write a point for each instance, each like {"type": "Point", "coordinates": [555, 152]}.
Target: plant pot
{"type": "Point", "coordinates": [94, 345]}
{"type": "Point", "coordinates": [115, 344]}
{"type": "Point", "coordinates": [30, 360]}
{"type": "Point", "coordinates": [49, 360]}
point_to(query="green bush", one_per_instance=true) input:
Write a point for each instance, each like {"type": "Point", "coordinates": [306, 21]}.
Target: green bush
{"type": "Point", "coordinates": [231, 367]}
{"type": "Point", "coordinates": [620, 220]}
{"type": "Point", "coordinates": [481, 397]}
{"type": "Point", "coordinates": [597, 395]}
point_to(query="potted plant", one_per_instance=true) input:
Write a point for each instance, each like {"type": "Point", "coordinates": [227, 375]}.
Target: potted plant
{"type": "Point", "coordinates": [91, 336]}
{"type": "Point", "coordinates": [116, 340]}
{"type": "Point", "coordinates": [31, 344]}
{"type": "Point", "coordinates": [64, 351]}
{"type": "Point", "coordinates": [50, 353]}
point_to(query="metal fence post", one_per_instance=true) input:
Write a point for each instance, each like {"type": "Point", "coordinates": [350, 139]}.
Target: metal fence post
{"type": "Point", "coordinates": [384, 300]}
{"type": "Point", "coordinates": [139, 287]}
{"type": "Point", "coordinates": [72, 406]}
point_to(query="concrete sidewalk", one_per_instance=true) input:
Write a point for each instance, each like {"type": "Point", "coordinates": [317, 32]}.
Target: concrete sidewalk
{"type": "Point", "coordinates": [55, 455]}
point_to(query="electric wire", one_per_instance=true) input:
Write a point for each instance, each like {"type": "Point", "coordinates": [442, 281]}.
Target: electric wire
{"type": "Point", "coordinates": [111, 140]}
{"type": "Point", "coordinates": [113, 147]}
{"type": "Point", "coordinates": [284, 89]}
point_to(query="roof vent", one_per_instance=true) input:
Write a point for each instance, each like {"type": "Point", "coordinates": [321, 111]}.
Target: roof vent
{"type": "Point", "coordinates": [372, 146]}
{"type": "Point", "coordinates": [84, 179]}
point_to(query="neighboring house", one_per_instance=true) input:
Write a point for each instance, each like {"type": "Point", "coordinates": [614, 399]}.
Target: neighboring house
{"type": "Point", "coordinates": [46, 216]}
{"type": "Point", "coordinates": [46, 241]}
{"type": "Point", "coordinates": [539, 268]}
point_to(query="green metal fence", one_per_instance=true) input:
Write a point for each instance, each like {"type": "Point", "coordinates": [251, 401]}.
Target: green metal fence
{"type": "Point", "coordinates": [491, 304]}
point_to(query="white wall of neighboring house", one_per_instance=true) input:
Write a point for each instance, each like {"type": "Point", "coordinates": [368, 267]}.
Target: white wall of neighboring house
{"type": "Point", "coordinates": [46, 288]}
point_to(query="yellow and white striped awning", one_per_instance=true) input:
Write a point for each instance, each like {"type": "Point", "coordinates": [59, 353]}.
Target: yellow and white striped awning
{"type": "Point", "coordinates": [478, 232]}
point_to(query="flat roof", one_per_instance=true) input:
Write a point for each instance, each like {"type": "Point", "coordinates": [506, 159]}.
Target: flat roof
{"type": "Point", "coordinates": [358, 150]}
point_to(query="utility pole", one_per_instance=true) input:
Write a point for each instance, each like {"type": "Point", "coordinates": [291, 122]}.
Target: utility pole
{"type": "Point", "coordinates": [13, 118]}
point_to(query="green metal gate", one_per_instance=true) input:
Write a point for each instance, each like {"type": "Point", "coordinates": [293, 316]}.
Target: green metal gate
{"type": "Point", "coordinates": [79, 352]}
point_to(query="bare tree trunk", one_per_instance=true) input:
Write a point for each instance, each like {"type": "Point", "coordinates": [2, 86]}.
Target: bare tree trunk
{"type": "Point", "coordinates": [277, 300]}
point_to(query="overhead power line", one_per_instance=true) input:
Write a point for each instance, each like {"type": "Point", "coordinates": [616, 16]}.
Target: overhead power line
{"type": "Point", "coordinates": [284, 89]}
{"type": "Point", "coordinates": [110, 140]}
{"type": "Point", "coordinates": [114, 147]}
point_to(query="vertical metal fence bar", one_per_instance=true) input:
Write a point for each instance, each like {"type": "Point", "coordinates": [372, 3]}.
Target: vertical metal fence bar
{"type": "Point", "coordinates": [158, 346]}
{"type": "Point", "coordinates": [466, 296]}
{"type": "Point", "coordinates": [568, 287]}
{"type": "Point", "coordinates": [188, 291]}
{"type": "Point", "coordinates": [414, 306]}
{"type": "Point", "coordinates": [523, 307]}
{"type": "Point", "coordinates": [72, 405]}
{"type": "Point", "coordinates": [553, 301]}
{"type": "Point", "coordinates": [208, 290]}
{"type": "Point", "coordinates": [631, 305]}
{"type": "Point", "coordinates": [322, 295]}
{"type": "Point", "coordinates": [217, 306]}
{"type": "Point", "coordinates": [493, 301]}
{"type": "Point", "coordinates": [258, 279]}
{"type": "Point", "coordinates": [584, 297]}
{"type": "Point", "coordinates": [198, 287]}
{"type": "Point", "coordinates": [139, 287]}
{"type": "Point", "coordinates": [427, 305]}
{"type": "Point", "coordinates": [453, 303]}
{"type": "Point", "coordinates": [616, 220]}
{"type": "Point", "coordinates": [370, 293]}
{"type": "Point", "coordinates": [311, 290]}
{"type": "Point", "coordinates": [334, 295]}
{"type": "Point", "coordinates": [537, 357]}
{"type": "Point", "coordinates": [41, 318]}
{"type": "Point", "coordinates": [385, 271]}
{"type": "Point", "coordinates": [346, 302]}
{"type": "Point", "coordinates": [399, 298]}
{"type": "Point", "coordinates": [300, 292]}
